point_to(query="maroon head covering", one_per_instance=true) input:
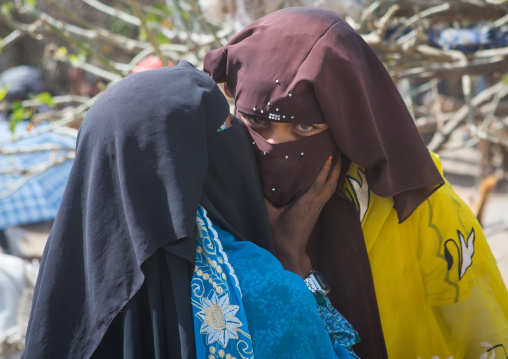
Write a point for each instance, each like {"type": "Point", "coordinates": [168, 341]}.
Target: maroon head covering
{"type": "Point", "coordinates": [305, 65]}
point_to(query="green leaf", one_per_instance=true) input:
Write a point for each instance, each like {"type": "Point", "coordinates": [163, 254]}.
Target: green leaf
{"type": "Point", "coordinates": [82, 54]}
{"type": "Point", "coordinates": [153, 18]}
{"type": "Point", "coordinates": [5, 9]}
{"type": "Point", "coordinates": [142, 35]}
{"type": "Point", "coordinates": [505, 78]}
{"type": "Point", "coordinates": [3, 92]}
{"type": "Point", "coordinates": [119, 27]}
{"type": "Point", "coordinates": [12, 125]}
{"type": "Point", "coordinates": [46, 99]}
{"type": "Point", "coordinates": [29, 3]}
{"type": "Point", "coordinates": [62, 51]}
{"type": "Point", "coordinates": [160, 38]}
{"type": "Point", "coordinates": [18, 114]}
{"type": "Point", "coordinates": [163, 7]}
{"type": "Point", "coordinates": [74, 60]}
{"type": "Point", "coordinates": [16, 105]}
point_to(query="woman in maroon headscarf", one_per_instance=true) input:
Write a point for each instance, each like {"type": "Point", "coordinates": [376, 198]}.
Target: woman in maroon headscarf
{"type": "Point", "coordinates": [407, 262]}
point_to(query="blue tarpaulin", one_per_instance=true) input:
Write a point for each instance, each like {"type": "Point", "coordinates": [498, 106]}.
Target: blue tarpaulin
{"type": "Point", "coordinates": [26, 197]}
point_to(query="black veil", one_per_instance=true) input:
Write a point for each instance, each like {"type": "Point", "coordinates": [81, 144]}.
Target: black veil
{"type": "Point", "coordinates": [115, 274]}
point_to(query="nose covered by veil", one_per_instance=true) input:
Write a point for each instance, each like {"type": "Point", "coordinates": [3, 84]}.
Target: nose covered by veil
{"type": "Point", "coordinates": [304, 65]}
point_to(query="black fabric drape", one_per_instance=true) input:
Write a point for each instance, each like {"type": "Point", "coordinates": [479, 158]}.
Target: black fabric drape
{"type": "Point", "coordinates": [115, 275]}
{"type": "Point", "coordinates": [148, 326]}
{"type": "Point", "coordinates": [156, 311]}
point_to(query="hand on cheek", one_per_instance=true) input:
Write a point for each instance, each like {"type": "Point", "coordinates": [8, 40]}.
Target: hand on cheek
{"type": "Point", "coordinates": [292, 223]}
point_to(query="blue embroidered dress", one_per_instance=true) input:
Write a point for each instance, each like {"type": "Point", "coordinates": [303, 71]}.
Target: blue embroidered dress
{"type": "Point", "coordinates": [246, 304]}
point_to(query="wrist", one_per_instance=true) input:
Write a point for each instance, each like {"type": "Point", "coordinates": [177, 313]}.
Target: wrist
{"type": "Point", "coordinates": [290, 247]}
{"type": "Point", "coordinates": [300, 265]}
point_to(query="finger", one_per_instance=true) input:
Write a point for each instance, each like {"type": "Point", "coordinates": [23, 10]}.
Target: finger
{"type": "Point", "coordinates": [312, 196]}
{"type": "Point", "coordinates": [330, 185]}
{"type": "Point", "coordinates": [333, 177]}
{"type": "Point", "coordinates": [315, 189]}
{"type": "Point", "coordinates": [321, 178]}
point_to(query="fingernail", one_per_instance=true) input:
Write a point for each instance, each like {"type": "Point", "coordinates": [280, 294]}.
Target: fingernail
{"type": "Point", "coordinates": [330, 158]}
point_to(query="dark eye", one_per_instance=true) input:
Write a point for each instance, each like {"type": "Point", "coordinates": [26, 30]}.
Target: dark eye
{"type": "Point", "coordinates": [304, 127]}
{"type": "Point", "coordinates": [255, 120]}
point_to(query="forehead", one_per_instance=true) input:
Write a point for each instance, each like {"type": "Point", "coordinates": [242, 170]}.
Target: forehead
{"type": "Point", "coordinates": [273, 62]}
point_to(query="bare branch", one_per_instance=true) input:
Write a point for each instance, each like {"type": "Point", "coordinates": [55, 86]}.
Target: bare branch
{"type": "Point", "coordinates": [62, 33]}
{"type": "Point", "coordinates": [384, 21]}
{"type": "Point", "coordinates": [456, 68]}
{"type": "Point", "coordinates": [147, 30]}
{"type": "Point", "coordinates": [57, 100]}
{"type": "Point", "coordinates": [366, 14]}
{"type": "Point", "coordinates": [13, 36]}
{"type": "Point", "coordinates": [65, 120]}
{"type": "Point", "coordinates": [128, 18]}
{"type": "Point", "coordinates": [36, 148]}
{"type": "Point", "coordinates": [199, 39]}
{"type": "Point", "coordinates": [122, 42]}
{"type": "Point", "coordinates": [27, 174]}
{"type": "Point", "coordinates": [460, 116]}
{"type": "Point", "coordinates": [418, 16]}
{"type": "Point", "coordinates": [459, 10]}
{"type": "Point", "coordinates": [429, 124]}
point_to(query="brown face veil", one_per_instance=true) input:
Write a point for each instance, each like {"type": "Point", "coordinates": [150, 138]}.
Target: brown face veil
{"type": "Point", "coordinates": [305, 65]}
{"type": "Point", "coordinates": [288, 169]}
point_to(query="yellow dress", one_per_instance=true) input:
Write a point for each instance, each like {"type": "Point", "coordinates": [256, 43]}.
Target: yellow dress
{"type": "Point", "coordinates": [439, 291]}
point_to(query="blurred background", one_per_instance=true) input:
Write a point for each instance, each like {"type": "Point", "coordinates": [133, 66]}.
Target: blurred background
{"type": "Point", "coordinates": [448, 58]}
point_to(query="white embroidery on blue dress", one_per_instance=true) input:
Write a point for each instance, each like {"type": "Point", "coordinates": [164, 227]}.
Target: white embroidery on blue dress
{"type": "Point", "coordinates": [215, 238]}
{"type": "Point", "coordinates": [219, 321]}
{"type": "Point", "coordinates": [221, 328]}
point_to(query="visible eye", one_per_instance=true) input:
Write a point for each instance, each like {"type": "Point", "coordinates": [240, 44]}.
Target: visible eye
{"type": "Point", "coordinates": [254, 121]}
{"type": "Point", "coordinates": [308, 129]}
{"type": "Point", "coordinates": [305, 127]}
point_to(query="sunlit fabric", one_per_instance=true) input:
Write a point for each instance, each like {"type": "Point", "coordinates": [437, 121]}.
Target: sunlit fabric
{"type": "Point", "coordinates": [450, 298]}
{"type": "Point", "coordinates": [246, 305]}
